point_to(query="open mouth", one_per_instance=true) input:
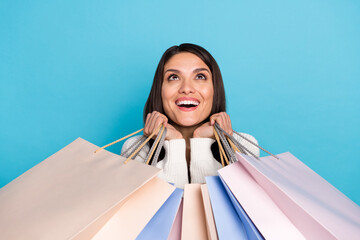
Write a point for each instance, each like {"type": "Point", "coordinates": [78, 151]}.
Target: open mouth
{"type": "Point", "coordinates": [187, 105]}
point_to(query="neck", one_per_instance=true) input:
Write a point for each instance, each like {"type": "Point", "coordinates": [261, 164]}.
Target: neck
{"type": "Point", "coordinates": [187, 132]}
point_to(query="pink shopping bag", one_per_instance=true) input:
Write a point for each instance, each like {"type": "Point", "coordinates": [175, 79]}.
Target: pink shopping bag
{"type": "Point", "coordinates": [175, 231]}
{"type": "Point", "coordinates": [264, 213]}
{"type": "Point", "coordinates": [313, 205]}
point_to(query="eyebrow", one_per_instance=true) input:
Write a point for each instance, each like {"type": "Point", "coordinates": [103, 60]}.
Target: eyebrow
{"type": "Point", "coordinates": [195, 70]}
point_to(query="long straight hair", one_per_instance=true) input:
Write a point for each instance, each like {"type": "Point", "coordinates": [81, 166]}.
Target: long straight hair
{"type": "Point", "coordinates": [154, 101]}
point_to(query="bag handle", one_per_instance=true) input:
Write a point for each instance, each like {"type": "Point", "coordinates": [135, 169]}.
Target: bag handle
{"type": "Point", "coordinates": [133, 146]}
{"type": "Point", "coordinates": [141, 145]}
{"type": "Point", "coordinates": [239, 146]}
{"type": "Point", "coordinates": [156, 143]}
{"type": "Point", "coordinates": [119, 140]}
{"type": "Point", "coordinates": [236, 145]}
{"type": "Point", "coordinates": [158, 149]}
{"type": "Point", "coordinates": [221, 150]}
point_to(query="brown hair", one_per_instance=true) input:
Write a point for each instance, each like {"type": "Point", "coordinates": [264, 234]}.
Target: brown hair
{"type": "Point", "coordinates": [154, 101]}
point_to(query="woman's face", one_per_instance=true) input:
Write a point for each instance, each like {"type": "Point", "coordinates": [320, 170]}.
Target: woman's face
{"type": "Point", "coordinates": [187, 90]}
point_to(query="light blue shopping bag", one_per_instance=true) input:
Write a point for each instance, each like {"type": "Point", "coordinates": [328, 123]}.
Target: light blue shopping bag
{"type": "Point", "coordinates": [251, 230]}
{"type": "Point", "coordinates": [160, 225]}
{"type": "Point", "coordinates": [228, 224]}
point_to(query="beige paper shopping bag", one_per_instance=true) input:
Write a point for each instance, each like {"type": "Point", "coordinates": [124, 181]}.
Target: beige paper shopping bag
{"type": "Point", "coordinates": [72, 193]}
{"type": "Point", "coordinates": [210, 222]}
{"type": "Point", "coordinates": [194, 220]}
{"type": "Point", "coordinates": [136, 212]}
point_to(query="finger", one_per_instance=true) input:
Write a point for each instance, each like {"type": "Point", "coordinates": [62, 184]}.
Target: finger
{"type": "Point", "coordinates": [213, 118]}
{"type": "Point", "coordinates": [165, 122]}
{"type": "Point", "coordinates": [229, 124]}
{"type": "Point", "coordinates": [147, 124]}
{"type": "Point", "coordinates": [158, 121]}
{"type": "Point", "coordinates": [218, 120]}
{"type": "Point", "coordinates": [152, 122]}
{"type": "Point", "coordinates": [224, 122]}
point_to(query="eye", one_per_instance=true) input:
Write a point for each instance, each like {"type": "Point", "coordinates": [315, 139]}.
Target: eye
{"type": "Point", "coordinates": [173, 77]}
{"type": "Point", "coordinates": [201, 76]}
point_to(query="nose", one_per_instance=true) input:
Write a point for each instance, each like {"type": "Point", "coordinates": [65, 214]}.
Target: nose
{"type": "Point", "coordinates": [186, 87]}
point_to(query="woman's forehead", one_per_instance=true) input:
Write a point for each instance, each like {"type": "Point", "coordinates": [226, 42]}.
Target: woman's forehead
{"type": "Point", "coordinates": [185, 61]}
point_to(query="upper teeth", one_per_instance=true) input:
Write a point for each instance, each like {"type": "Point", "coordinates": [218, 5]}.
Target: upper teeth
{"type": "Point", "coordinates": [187, 102]}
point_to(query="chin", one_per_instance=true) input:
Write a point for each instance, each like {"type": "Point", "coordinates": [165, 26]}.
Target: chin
{"type": "Point", "coordinates": [188, 122]}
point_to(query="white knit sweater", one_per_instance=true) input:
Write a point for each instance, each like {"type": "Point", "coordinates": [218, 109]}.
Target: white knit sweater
{"type": "Point", "coordinates": [202, 162]}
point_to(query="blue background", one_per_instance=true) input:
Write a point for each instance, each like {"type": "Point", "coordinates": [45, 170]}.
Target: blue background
{"type": "Point", "coordinates": [73, 69]}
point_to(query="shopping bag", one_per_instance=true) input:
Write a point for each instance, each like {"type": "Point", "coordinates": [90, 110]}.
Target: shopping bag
{"type": "Point", "coordinates": [136, 212]}
{"type": "Point", "coordinates": [160, 225]}
{"type": "Point", "coordinates": [193, 219]}
{"type": "Point", "coordinates": [315, 207]}
{"type": "Point", "coordinates": [251, 231]}
{"type": "Point", "coordinates": [210, 222]}
{"type": "Point", "coordinates": [228, 223]}
{"type": "Point", "coordinates": [264, 213]}
{"type": "Point", "coordinates": [70, 195]}
{"type": "Point", "coordinates": [175, 232]}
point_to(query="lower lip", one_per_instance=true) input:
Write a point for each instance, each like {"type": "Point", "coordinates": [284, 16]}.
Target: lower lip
{"type": "Point", "coordinates": [185, 109]}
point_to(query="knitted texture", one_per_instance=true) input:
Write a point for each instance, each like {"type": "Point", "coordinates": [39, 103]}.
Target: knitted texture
{"type": "Point", "coordinates": [202, 162]}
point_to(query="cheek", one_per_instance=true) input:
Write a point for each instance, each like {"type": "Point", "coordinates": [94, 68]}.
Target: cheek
{"type": "Point", "coordinates": [208, 94]}
{"type": "Point", "coordinates": [166, 95]}
{"type": "Point", "coordinates": [164, 92]}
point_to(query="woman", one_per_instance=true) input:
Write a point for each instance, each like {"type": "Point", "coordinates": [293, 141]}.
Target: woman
{"type": "Point", "coordinates": [188, 97]}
